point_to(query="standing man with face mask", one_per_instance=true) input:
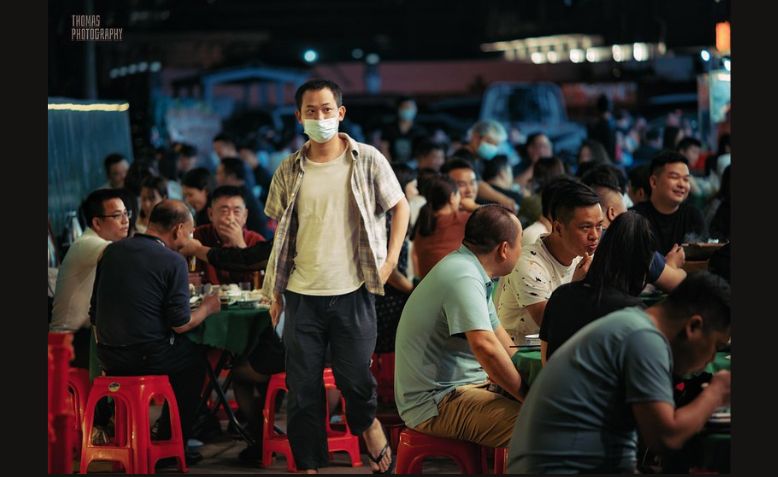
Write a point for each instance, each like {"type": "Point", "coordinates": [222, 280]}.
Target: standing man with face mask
{"type": "Point", "coordinates": [398, 139]}
{"type": "Point", "coordinates": [329, 258]}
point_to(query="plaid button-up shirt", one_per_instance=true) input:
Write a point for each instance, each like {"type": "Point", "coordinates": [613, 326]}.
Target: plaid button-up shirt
{"type": "Point", "coordinates": [375, 189]}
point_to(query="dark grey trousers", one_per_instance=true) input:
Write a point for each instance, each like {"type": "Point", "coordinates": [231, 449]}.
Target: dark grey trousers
{"type": "Point", "coordinates": [347, 323]}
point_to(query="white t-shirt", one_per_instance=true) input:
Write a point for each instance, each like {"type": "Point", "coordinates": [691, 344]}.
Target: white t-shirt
{"type": "Point", "coordinates": [415, 204]}
{"type": "Point", "coordinates": [326, 259]}
{"type": "Point", "coordinates": [75, 280]}
{"type": "Point", "coordinates": [536, 275]}
{"type": "Point", "coordinates": [532, 233]}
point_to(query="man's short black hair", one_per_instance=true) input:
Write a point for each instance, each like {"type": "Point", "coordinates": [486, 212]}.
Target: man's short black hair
{"type": "Point", "coordinates": [425, 146]}
{"type": "Point", "coordinates": [494, 166]}
{"type": "Point", "coordinates": [664, 158]}
{"type": "Point", "coordinates": [169, 213]}
{"type": "Point", "coordinates": [224, 137]}
{"type": "Point", "coordinates": [570, 196]}
{"type": "Point", "coordinates": [687, 142]}
{"type": "Point", "coordinates": [531, 137]}
{"type": "Point", "coordinates": [186, 150]}
{"type": "Point", "coordinates": [701, 293]}
{"type": "Point", "coordinates": [198, 178]}
{"type": "Point", "coordinates": [233, 166]}
{"type": "Point", "coordinates": [227, 191]}
{"type": "Point", "coordinates": [638, 177]}
{"type": "Point", "coordinates": [547, 193]}
{"type": "Point", "coordinates": [456, 163]}
{"type": "Point", "coordinates": [489, 226]}
{"type": "Point", "coordinates": [93, 204]}
{"type": "Point", "coordinates": [318, 85]}
{"type": "Point", "coordinates": [607, 176]}
{"type": "Point", "coordinates": [112, 159]}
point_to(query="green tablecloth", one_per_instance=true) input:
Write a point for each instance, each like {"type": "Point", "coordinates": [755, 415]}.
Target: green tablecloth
{"type": "Point", "coordinates": [231, 329]}
{"type": "Point", "coordinates": [529, 365]}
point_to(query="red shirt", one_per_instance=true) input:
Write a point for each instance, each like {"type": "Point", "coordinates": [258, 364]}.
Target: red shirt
{"type": "Point", "coordinates": [447, 237]}
{"type": "Point", "coordinates": [210, 238]}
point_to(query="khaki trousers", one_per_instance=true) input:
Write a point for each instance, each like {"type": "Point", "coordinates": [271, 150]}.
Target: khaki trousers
{"type": "Point", "coordinates": [472, 413]}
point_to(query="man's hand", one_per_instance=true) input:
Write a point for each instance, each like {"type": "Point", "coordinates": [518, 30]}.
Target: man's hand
{"type": "Point", "coordinates": [211, 304]}
{"type": "Point", "coordinates": [582, 268]}
{"type": "Point", "coordinates": [190, 247]}
{"type": "Point", "coordinates": [676, 257]}
{"type": "Point", "coordinates": [231, 233]}
{"type": "Point", "coordinates": [385, 271]}
{"type": "Point", "coordinates": [468, 204]}
{"type": "Point", "coordinates": [276, 308]}
{"type": "Point", "coordinates": [720, 384]}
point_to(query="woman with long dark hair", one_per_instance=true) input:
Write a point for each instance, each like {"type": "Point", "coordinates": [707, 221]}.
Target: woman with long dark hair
{"type": "Point", "coordinates": [616, 277]}
{"type": "Point", "coordinates": [153, 190]}
{"type": "Point", "coordinates": [197, 186]}
{"type": "Point", "coordinates": [440, 227]}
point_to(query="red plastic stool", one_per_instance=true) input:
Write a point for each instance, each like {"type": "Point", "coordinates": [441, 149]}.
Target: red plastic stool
{"type": "Point", "coordinates": [340, 440]}
{"type": "Point", "coordinates": [500, 455]}
{"type": "Point", "coordinates": [274, 443]}
{"type": "Point", "coordinates": [60, 349]}
{"type": "Point", "coordinates": [78, 386]}
{"type": "Point", "coordinates": [52, 434]}
{"type": "Point", "coordinates": [500, 458]}
{"type": "Point", "coordinates": [415, 446]}
{"type": "Point", "coordinates": [132, 445]}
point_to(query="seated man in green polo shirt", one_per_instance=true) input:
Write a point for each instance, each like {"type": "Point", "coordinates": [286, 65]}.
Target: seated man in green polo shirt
{"type": "Point", "coordinates": [614, 378]}
{"type": "Point", "coordinates": [450, 344]}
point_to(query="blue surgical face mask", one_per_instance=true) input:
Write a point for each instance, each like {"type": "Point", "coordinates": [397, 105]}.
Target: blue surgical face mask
{"type": "Point", "coordinates": [486, 150]}
{"type": "Point", "coordinates": [321, 130]}
{"type": "Point", "coordinates": [407, 114]}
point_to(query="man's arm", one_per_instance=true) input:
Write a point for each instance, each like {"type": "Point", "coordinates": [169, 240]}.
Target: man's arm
{"type": "Point", "coordinates": [400, 216]}
{"type": "Point", "coordinates": [536, 311]}
{"type": "Point", "coordinates": [491, 355]}
{"type": "Point", "coordinates": [543, 352]}
{"type": "Point", "coordinates": [487, 192]}
{"type": "Point", "coordinates": [210, 305]}
{"type": "Point", "coordinates": [663, 427]}
{"type": "Point", "coordinates": [670, 278]}
{"type": "Point", "coordinates": [233, 259]}
{"type": "Point", "coordinates": [400, 282]}
{"type": "Point", "coordinates": [505, 340]}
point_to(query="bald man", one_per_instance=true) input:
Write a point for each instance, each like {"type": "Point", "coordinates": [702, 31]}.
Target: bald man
{"type": "Point", "coordinates": [140, 306]}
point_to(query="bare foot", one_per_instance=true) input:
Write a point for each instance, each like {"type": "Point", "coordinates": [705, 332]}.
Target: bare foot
{"type": "Point", "coordinates": [309, 471]}
{"type": "Point", "coordinates": [375, 441]}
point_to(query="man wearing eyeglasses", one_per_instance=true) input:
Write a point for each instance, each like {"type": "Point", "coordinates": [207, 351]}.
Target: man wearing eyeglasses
{"type": "Point", "coordinates": [228, 216]}
{"type": "Point", "coordinates": [107, 221]}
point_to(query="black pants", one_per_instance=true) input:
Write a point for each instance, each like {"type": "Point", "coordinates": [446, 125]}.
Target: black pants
{"type": "Point", "coordinates": [347, 323]}
{"type": "Point", "coordinates": [81, 339]}
{"type": "Point", "coordinates": [183, 362]}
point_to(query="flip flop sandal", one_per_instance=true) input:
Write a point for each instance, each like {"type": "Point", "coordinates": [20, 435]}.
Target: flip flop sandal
{"type": "Point", "coordinates": [377, 460]}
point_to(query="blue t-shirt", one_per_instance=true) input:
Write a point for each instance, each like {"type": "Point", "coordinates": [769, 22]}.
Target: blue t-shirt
{"type": "Point", "coordinates": [577, 416]}
{"type": "Point", "coordinates": [432, 355]}
{"type": "Point", "coordinates": [141, 292]}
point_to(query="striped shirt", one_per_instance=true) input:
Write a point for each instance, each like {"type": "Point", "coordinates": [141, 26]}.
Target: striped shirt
{"type": "Point", "coordinates": [376, 190]}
